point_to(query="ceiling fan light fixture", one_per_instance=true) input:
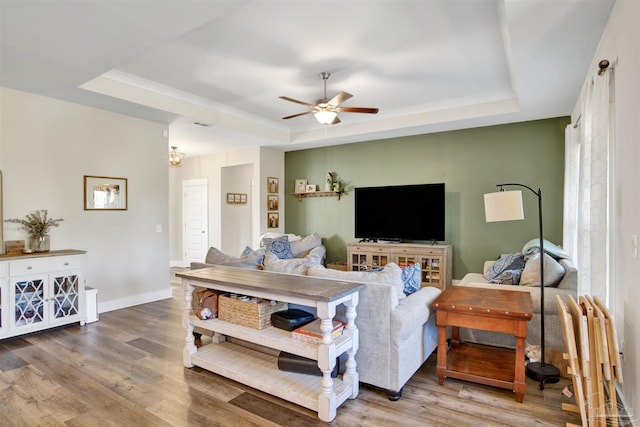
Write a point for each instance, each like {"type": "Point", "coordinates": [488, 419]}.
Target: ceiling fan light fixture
{"type": "Point", "coordinates": [325, 117]}
{"type": "Point", "coordinates": [175, 157]}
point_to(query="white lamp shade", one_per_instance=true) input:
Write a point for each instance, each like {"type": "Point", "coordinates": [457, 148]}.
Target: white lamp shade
{"type": "Point", "coordinates": [325, 117]}
{"type": "Point", "coordinates": [503, 206]}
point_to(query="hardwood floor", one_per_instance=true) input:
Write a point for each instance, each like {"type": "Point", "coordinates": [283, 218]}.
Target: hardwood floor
{"type": "Point", "coordinates": [126, 370]}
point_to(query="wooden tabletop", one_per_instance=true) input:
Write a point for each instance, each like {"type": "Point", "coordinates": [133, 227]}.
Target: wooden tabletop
{"type": "Point", "coordinates": [495, 302]}
{"type": "Point", "coordinates": [314, 288]}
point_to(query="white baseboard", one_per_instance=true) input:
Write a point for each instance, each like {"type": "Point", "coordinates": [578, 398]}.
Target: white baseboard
{"type": "Point", "coordinates": [119, 303]}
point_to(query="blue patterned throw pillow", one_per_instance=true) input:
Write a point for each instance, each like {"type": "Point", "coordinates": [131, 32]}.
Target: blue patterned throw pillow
{"type": "Point", "coordinates": [279, 246]}
{"type": "Point", "coordinates": [411, 278]}
{"type": "Point", "coordinates": [506, 270]}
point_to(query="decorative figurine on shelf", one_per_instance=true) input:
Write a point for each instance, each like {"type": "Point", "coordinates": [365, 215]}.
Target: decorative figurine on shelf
{"type": "Point", "coordinates": [328, 181]}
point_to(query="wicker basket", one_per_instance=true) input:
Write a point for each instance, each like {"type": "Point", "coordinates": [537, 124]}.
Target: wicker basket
{"type": "Point", "coordinates": [255, 315]}
{"type": "Point", "coordinates": [342, 266]}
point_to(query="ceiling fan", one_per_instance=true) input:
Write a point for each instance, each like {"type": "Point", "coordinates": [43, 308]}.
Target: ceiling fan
{"type": "Point", "coordinates": [326, 110]}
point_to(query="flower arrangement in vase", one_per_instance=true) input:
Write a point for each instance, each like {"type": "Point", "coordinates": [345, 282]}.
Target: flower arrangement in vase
{"type": "Point", "coordinates": [38, 224]}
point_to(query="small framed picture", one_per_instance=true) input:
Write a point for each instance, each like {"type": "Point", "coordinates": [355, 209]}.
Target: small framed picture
{"type": "Point", "coordinates": [236, 198]}
{"type": "Point", "coordinates": [273, 220]}
{"type": "Point", "coordinates": [105, 193]}
{"type": "Point", "coordinates": [230, 198]}
{"type": "Point", "coordinates": [311, 188]}
{"type": "Point", "coordinates": [301, 186]}
{"type": "Point", "coordinates": [243, 198]}
{"type": "Point", "coordinates": [272, 184]}
{"type": "Point", "coordinates": [272, 202]}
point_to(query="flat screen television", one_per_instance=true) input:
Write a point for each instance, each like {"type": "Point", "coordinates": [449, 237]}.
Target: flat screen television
{"type": "Point", "coordinates": [400, 212]}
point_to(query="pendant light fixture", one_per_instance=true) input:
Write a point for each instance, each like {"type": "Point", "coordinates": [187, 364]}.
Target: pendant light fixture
{"type": "Point", "coordinates": [175, 157]}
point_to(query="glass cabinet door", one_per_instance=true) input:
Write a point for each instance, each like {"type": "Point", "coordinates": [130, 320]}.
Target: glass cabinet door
{"type": "Point", "coordinates": [65, 296]}
{"type": "Point", "coordinates": [29, 301]}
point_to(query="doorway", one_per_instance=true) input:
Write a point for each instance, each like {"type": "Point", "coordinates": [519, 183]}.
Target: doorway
{"type": "Point", "coordinates": [195, 236]}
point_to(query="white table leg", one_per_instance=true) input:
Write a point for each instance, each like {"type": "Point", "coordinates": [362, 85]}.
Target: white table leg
{"type": "Point", "coordinates": [351, 374]}
{"type": "Point", "coordinates": [326, 362]}
{"type": "Point", "coordinates": [190, 346]}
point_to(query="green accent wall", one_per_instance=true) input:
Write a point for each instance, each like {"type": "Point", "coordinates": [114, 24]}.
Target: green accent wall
{"type": "Point", "coordinates": [470, 162]}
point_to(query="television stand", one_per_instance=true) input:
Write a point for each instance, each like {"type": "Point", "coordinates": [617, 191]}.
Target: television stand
{"type": "Point", "coordinates": [435, 260]}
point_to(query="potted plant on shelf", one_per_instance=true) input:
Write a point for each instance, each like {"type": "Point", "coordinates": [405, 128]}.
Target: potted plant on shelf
{"type": "Point", "coordinates": [333, 182]}
{"type": "Point", "coordinates": [38, 224]}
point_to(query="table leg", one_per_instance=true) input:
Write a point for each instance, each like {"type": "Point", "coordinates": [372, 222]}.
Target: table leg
{"type": "Point", "coordinates": [519, 384]}
{"type": "Point", "coordinates": [441, 364]}
{"type": "Point", "coordinates": [455, 336]}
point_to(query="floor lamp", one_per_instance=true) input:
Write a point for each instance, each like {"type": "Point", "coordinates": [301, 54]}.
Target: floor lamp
{"type": "Point", "coordinates": [507, 206]}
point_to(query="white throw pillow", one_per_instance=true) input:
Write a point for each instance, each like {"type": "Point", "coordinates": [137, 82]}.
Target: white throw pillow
{"type": "Point", "coordinates": [390, 274]}
{"type": "Point", "coordinates": [302, 247]}
{"type": "Point", "coordinates": [251, 260]}
{"type": "Point", "coordinates": [294, 265]}
{"type": "Point", "coordinates": [553, 271]}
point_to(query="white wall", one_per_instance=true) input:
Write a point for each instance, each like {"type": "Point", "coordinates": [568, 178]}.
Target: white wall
{"type": "Point", "coordinates": [237, 232]}
{"type": "Point", "coordinates": [265, 162]}
{"type": "Point", "coordinates": [620, 44]}
{"type": "Point", "coordinates": [47, 146]}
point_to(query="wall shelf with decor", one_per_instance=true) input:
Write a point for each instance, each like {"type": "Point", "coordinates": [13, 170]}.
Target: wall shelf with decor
{"type": "Point", "coordinates": [301, 196]}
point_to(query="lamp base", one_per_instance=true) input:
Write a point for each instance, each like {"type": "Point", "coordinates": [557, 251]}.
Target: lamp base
{"type": "Point", "coordinates": [543, 373]}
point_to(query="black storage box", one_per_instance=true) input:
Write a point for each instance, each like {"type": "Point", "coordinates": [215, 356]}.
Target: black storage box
{"type": "Point", "coordinates": [301, 365]}
{"type": "Point", "coordinates": [291, 319]}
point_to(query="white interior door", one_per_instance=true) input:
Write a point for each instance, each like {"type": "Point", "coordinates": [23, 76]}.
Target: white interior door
{"type": "Point", "coordinates": [195, 240]}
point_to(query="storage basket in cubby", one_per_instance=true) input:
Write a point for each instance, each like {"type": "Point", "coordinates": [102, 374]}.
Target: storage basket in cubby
{"type": "Point", "coordinates": [255, 315]}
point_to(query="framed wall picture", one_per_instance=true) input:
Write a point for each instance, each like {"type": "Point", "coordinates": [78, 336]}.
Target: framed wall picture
{"type": "Point", "coordinates": [272, 185]}
{"type": "Point", "coordinates": [272, 202]}
{"type": "Point", "coordinates": [301, 186]}
{"type": "Point", "coordinates": [311, 188]}
{"type": "Point", "coordinates": [231, 198]}
{"type": "Point", "coordinates": [273, 220]}
{"type": "Point", "coordinates": [243, 198]}
{"type": "Point", "coordinates": [105, 193]}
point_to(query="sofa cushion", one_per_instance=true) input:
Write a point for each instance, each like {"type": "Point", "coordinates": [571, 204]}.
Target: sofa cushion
{"type": "Point", "coordinates": [391, 274]}
{"type": "Point", "coordinates": [411, 278]}
{"type": "Point", "coordinates": [506, 270]}
{"type": "Point", "coordinates": [301, 248]}
{"type": "Point", "coordinates": [553, 271]}
{"type": "Point", "coordinates": [279, 246]}
{"type": "Point", "coordinates": [252, 260]}
{"type": "Point", "coordinates": [272, 235]}
{"type": "Point", "coordinates": [294, 265]}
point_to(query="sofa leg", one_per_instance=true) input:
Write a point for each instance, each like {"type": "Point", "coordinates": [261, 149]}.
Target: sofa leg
{"type": "Point", "coordinates": [394, 395]}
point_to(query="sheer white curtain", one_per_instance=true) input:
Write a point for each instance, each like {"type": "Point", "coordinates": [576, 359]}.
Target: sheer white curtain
{"type": "Point", "coordinates": [587, 198]}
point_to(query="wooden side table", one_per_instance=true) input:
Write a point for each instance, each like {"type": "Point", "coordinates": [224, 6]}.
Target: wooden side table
{"type": "Point", "coordinates": [491, 310]}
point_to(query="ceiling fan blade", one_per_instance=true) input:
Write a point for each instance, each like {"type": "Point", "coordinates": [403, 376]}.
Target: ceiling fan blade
{"type": "Point", "coordinates": [339, 98]}
{"type": "Point", "coordinates": [286, 98]}
{"type": "Point", "coordinates": [357, 110]}
{"type": "Point", "coordinates": [336, 121]}
{"type": "Point", "coordinates": [298, 115]}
